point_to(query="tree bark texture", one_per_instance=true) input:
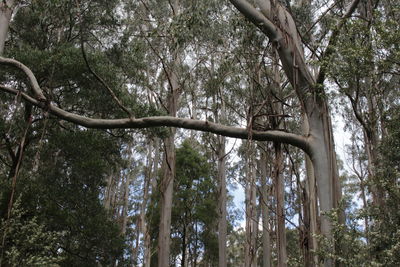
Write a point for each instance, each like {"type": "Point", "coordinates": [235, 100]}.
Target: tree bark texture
{"type": "Point", "coordinates": [266, 238]}
{"type": "Point", "coordinates": [169, 164]}
{"type": "Point", "coordinates": [251, 210]}
{"type": "Point", "coordinates": [222, 212]}
{"type": "Point", "coordinates": [280, 205]}
{"type": "Point", "coordinates": [6, 10]}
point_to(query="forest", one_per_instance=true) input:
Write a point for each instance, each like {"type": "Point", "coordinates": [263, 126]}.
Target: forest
{"type": "Point", "coordinates": [200, 133]}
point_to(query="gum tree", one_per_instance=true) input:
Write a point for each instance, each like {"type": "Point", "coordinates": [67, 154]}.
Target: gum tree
{"type": "Point", "coordinates": [275, 21]}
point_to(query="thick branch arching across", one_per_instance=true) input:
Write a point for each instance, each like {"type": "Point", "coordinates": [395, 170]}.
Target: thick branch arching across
{"type": "Point", "coordinates": [291, 59]}
{"type": "Point", "coordinates": [157, 121]}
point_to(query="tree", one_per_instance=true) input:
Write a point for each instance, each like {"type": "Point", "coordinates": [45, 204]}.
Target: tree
{"type": "Point", "coordinates": [276, 22]}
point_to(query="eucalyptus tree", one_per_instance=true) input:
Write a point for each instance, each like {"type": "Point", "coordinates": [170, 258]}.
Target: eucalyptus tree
{"type": "Point", "coordinates": [276, 22]}
{"type": "Point", "coordinates": [371, 89]}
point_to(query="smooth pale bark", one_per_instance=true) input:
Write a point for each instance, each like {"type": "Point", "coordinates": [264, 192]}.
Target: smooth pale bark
{"type": "Point", "coordinates": [6, 10]}
{"type": "Point", "coordinates": [319, 141]}
{"type": "Point", "coordinates": [250, 255]}
{"type": "Point", "coordinates": [266, 239]}
{"type": "Point", "coordinates": [124, 213]}
{"type": "Point", "coordinates": [107, 193]}
{"type": "Point", "coordinates": [141, 226]}
{"type": "Point", "coordinates": [169, 164]}
{"type": "Point", "coordinates": [279, 181]}
{"type": "Point", "coordinates": [146, 192]}
{"type": "Point", "coordinates": [166, 190]}
{"type": "Point", "coordinates": [280, 205]}
{"type": "Point", "coordinates": [153, 182]}
{"type": "Point", "coordinates": [311, 203]}
{"type": "Point", "coordinates": [220, 115]}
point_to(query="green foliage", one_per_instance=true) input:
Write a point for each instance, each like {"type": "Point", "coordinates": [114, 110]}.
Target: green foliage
{"type": "Point", "coordinates": [69, 185]}
{"type": "Point", "coordinates": [347, 246]}
{"type": "Point", "coordinates": [194, 211]}
{"type": "Point", "coordinates": [28, 242]}
{"type": "Point", "coordinates": [385, 233]}
{"type": "Point", "coordinates": [63, 196]}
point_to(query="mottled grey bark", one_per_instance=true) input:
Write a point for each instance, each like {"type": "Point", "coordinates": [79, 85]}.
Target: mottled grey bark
{"type": "Point", "coordinates": [6, 10]}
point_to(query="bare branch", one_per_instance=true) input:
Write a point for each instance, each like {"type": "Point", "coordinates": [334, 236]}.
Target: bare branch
{"type": "Point", "coordinates": [168, 121]}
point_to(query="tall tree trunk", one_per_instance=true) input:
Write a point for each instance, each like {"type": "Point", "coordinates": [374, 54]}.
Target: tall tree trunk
{"type": "Point", "coordinates": [151, 169]}
{"type": "Point", "coordinates": [310, 202]}
{"type": "Point", "coordinates": [167, 182]}
{"type": "Point", "coordinates": [304, 226]}
{"type": "Point", "coordinates": [323, 158]}
{"type": "Point", "coordinates": [266, 239]}
{"type": "Point", "coordinates": [6, 10]}
{"type": "Point", "coordinates": [108, 193]}
{"type": "Point", "coordinates": [251, 211]}
{"type": "Point", "coordinates": [125, 207]}
{"type": "Point", "coordinates": [280, 205]}
{"type": "Point", "coordinates": [222, 212]}
{"type": "Point", "coordinates": [166, 190]}
{"type": "Point", "coordinates": [222, 191]}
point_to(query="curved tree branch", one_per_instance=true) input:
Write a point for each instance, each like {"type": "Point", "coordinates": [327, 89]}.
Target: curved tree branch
{"type": "Point", "coordinates": [32, 79]}
{"type": "Point", "coordinates": [281, 35]}
{"type": "Point", "coordinates": [156, 121]}
{"type": "Point", "coordinates": [168, 121]}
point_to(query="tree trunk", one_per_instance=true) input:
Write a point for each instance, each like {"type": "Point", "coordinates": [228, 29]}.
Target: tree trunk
{"type": "Point", "coordinates": [222, 213]}
{"type": "Point", "coordinates": [304, 225]}
{"type": "Point", "coordinates": [266, 239]}
{"type": "Point", "coordinates": [125, 204]}
{"type": "Point", "coordinates": [323, 158]}
{"type": "Point", "coordinates": [6, 10]}
{"type": "Point", "coordinates": [222, 192]}
{"type": "Point", "coordinates": [251, 212]}
{"type": "Point", "coordinates": [107, 192]}
{"type": "Point", "coordinates": [280, 205]}
{"type": "Point", "coordinates": [151, 170]}
{"type": "Point", "coordinates": [167, 182]}
{"type": "Point", "coordinates": [166, 190]}
{"type": "Point", "coordinates": [310, 203]}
